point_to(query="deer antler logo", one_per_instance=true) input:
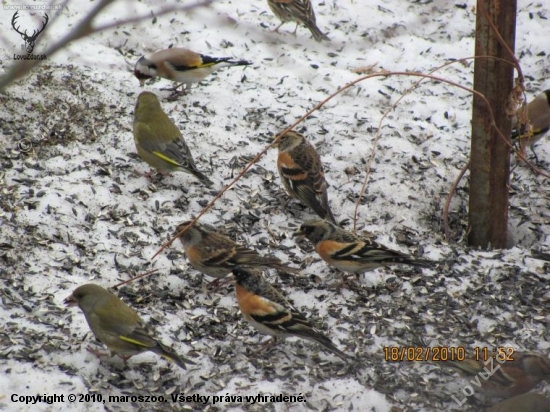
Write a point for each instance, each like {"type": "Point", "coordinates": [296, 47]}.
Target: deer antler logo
{"type": "Point", "coordinates": [29, 40]}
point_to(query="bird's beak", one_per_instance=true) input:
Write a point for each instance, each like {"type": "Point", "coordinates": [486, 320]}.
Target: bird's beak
{"type": "Point", "coordinates": [141, 82]}
{"type": "Point", "coordinates": [70, 301]}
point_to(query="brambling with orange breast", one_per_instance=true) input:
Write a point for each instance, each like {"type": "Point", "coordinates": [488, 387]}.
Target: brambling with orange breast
{"type": "Point", "coordinates": [302, 173]}
{"type": "Point", "coordinates": [521, 373]}
{"type": "Point", "coordinates": [269, 312]}
{"type": "Point", "coordinates": [181, 65]}
{"type": "Point", "coordinates": [215, 254]}
{"type": "Point", "coordinates": [350, 252]}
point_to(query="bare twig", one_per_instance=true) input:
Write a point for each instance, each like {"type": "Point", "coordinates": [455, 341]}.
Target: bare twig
{"type": "Point", "coordinates": [149, 272]}
{"type": "Point", "coordinates": [448, 201]}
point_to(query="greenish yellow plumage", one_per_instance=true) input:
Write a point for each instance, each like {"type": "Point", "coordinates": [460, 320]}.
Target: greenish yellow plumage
{"type": "Point", "coordinates": [117, 325]}
{"type": "Point", "coordinates": [159, 142]}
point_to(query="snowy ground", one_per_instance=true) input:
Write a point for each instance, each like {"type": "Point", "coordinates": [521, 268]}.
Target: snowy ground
{"type": "Point", "coordinates": [75, 207]}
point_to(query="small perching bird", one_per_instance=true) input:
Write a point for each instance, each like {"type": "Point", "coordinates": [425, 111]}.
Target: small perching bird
{"type": "Point", "coordinates": [538, 117]}
{"type": "Point", "coordinates": [211, 252]}
{"type": "Point", "coordinates": [302, 173]}
{"type": "Point", "coordinates": [159, 142]}
{"type": "Point", "coordinates": [269, 312]}
{"type": "Point", "coordinates": [181, 65]}
{"type": "Point", "coordinates": [117, 325]}
{"type": "Point", "coordinates": [508, 378]}
{"type": "Point", "coordinates": [528, 402]}
{"type": "Point", "coordinates": [350, 252]}
{"type": "Point", "coordinates": [298, 11]}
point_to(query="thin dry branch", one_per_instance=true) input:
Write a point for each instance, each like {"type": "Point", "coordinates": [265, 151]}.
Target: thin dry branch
{"type": "Point", "coordinates": [149, 272]}
{"type": "Point", "coordinates": [448, 201]}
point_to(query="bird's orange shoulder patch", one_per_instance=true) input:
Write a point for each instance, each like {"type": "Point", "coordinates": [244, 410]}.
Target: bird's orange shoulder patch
{"type": "Point", "coordinates": [194, 255]}
{"type": "Point", "coordinates": [252, 304]}
{"type": "Point", "coordinates": [289, 168]}
{"type": "Point", "coordinates": [285, 160]}
{"type": "Point", "coordinates": [327, 248]}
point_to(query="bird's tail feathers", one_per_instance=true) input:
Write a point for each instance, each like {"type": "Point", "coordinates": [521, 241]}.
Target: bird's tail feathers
{"type": "Point", "coordinates": [174, 357]}
{"type": "Point", "coordinates": [318, 35]}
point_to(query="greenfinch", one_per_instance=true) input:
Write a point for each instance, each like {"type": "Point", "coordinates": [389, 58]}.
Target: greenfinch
{"type": "Point", "coordinates": [159, 142]}
{"type": "Point", "coordinates": [529, 402]}
{"type": "Point", "coordinates": [181, 65]}
{"type": "Point", "coordinates": [117, 325]}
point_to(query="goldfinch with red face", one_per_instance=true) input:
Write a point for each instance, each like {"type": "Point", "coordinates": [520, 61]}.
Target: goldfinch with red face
{"type": "Point", "coordinates": [181, 65]}
{"type": "Point", "coordinates": [302, 173]}
{"type": "Point", "coordinates": [214, 254]}
{"type": "Point", "coordinates": [269, 312]}
{"type": "Point", "coordinates": [350, 252]}
{"type": "Point", "coordinates": [117, 325]}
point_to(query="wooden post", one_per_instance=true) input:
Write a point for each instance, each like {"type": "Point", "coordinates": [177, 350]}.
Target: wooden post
{"type": "Point", "coordinates": [490, 156]}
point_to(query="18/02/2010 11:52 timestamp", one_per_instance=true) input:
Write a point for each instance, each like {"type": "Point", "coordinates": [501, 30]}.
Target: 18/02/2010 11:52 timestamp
{"type": "Point", "coordinates": [445, 353]}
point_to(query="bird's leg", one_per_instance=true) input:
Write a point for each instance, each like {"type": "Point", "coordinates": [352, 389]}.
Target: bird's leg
{"type": "Point", "coordinates": [295, 29]}
{"type": "Point", "coordinates": [535, 155]}
{"type": "Point", "coordinates": [263, 347]}
{"type": "Point", "coordinates": [348, 280]}
{"type": "Point", "coordinates": [96, 352]}
{"type": "Point", "coordinates": [218, 283]}
{"type": "Point", "coordinates": [276, 30]}
{"type": "Point", "coordinates": [149, 174]}
{"type": "Point", "coordinates": [155, 175]}
{"type": "Point", "coordinates": [175, 91]}
{"type": "Point", "coordinates": [124, 359]}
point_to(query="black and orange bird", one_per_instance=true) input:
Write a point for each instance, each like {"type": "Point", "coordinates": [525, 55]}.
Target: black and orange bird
{"type": "Point", "coordinates": [302, 173]}
{"type": "Point", "coordinates": [265, 308]}
{"type": "Point", "coordinates": [213, 253]}
{"type": "Point", "coordinates": [349, 252]}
